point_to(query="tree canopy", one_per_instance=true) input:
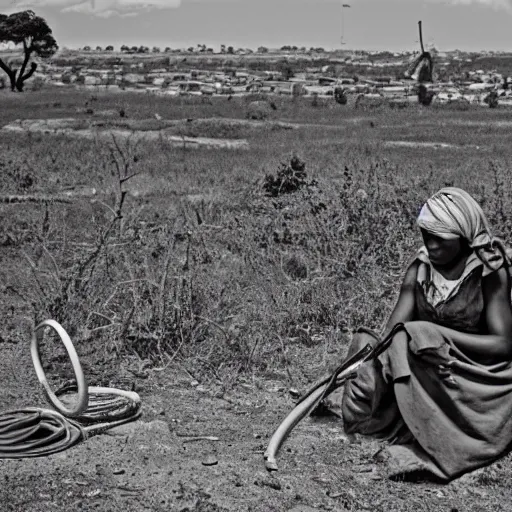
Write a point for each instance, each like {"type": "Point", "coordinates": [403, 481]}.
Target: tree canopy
{"type": "Point", "coordinates": [33, 33]}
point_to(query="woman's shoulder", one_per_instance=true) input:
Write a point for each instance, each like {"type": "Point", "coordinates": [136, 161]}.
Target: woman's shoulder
{"type": "Point", "coordinates": [417, 267]}
{"type": "Point", "coordinates": [411, 273]}
{"type": "Point", "coordinates": [420, 256]}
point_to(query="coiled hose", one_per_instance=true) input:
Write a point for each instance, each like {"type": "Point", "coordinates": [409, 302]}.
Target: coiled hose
{"type": "Point", "coordinates": [36, 432]}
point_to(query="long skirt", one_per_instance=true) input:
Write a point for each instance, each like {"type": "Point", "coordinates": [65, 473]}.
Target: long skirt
{"type": "Point", "coordinates": [441, 411]}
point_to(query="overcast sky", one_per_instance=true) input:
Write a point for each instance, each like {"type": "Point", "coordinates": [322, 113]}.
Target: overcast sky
{"type": "Point", "coordinates": [367, 24]}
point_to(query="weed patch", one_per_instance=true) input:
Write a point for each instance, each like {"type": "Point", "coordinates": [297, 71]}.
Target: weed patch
{"type": "Point", "coordinates": [228, 263]}
{"type": "Point", "coordinates": [289, 178]}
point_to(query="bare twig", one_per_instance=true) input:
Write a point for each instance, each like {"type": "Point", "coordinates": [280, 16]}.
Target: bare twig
{"type": "Point", "coordinates": [285, 357]}
{"type": "Point", "coordinates": [102, 327]}
{"type": "Point", "coordinates": [215, 324]}
{"type": "Point", "coordinates": [198, 438]}
{"type": "Point", "coordinates": [35, 272]}
{"type": "Point", "coordinates": [126, 178]}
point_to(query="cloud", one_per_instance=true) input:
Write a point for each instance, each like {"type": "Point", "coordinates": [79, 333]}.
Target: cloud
{"type": "Point", "coordinates": [495, 4]}
{"type": "Point", "coordinates": [101, 8]}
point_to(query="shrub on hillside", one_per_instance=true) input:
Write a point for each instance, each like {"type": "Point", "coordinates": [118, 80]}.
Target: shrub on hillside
{"type": "Point", "coordinates": [260, 110]}
{"type": "Point", "coordinates": [340, 95]}
{"type": "Point", "coordinates": [491, 99]}
{"type": "Point", "coordinates": [37, 84]}
{"type": "Point", "coordinates": [289, 178]}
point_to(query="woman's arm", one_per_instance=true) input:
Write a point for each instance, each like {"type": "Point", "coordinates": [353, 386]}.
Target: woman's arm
{"type": "Point", "coordinates": [498, 313]}
{"type": "Point", "coordinates": [405, 306]}
{"type": "Point", "coordinates": [497, 345]}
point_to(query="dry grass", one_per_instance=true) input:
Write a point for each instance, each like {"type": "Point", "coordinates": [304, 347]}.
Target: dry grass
{"type": "Point", "coordinates": [201, 266]}
{"type": "Point", "coordinates": [182, 259]}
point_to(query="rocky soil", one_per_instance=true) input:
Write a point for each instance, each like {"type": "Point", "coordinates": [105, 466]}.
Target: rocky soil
{"type": "Point", "coordinates": [196, 448]}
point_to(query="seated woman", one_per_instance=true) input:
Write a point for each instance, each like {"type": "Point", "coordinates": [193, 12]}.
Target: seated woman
{"type": "Point", "coordinates": [442, 392]}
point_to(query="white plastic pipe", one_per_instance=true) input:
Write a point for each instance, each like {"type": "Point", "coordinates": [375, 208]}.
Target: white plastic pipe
{"type": "Point", "coordinates": [296, 415]}
{"type": "Point", "coordinates": [83, 393]}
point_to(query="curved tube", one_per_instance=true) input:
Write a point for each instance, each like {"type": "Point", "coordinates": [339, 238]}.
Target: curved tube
{"type": "Point", "coordinates": [297, 414]}
{"type": "Point", "coordinates": [107, 408]}
{"type": "Point", "coordinates": [309, 401]}
{"type": "Point", "coordinates": [347, 368]}
{"type": "Point", "coordinates": [130, 395]}
{"type": "Point", "coordinates": [99, 428]}
{"type": "Point", "coordinates": [83, 395]}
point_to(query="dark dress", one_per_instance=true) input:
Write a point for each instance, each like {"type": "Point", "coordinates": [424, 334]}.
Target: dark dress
{"type": "Point", "coordinates": [442, 411]}
{"type": "Point", "coordinates": [368, 401]}
{"type": "Point", "coordinates": [462, 312]}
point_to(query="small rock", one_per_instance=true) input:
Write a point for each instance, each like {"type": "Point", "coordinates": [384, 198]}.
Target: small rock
{"type": "Point", "coordinates": [256, 436]}
{"type": "Point", "coordinates": [361, 194]}
{"type": "Point", "coordinates": [194, 383]}
{"type": "Point", "coordinates": [268, 481]}
{"type": "Point", "coordinates": [381, 456]}
{"type": "Point", "coordinates": [354, 438]}
{"type": "Point", "coordinates": [119, 471]}
{"type": "Point", "coordinates": [364, 469]}
{"type": "Point", "coordinates": [210, 461]}
{"type": "Point", "coordinates": [100, 470]}
{"type": "Point", "coordinates": [294, 393]}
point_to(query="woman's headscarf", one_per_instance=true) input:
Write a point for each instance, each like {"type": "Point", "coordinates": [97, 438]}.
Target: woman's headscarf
{"type": "Point", "coordinates": [453, 213]}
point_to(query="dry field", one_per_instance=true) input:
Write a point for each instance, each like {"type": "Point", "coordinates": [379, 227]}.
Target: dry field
{"type": "Point", "coordinates": [199, 276]}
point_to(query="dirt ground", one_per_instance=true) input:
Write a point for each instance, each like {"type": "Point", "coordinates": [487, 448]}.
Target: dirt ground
{"type": "Point", "coordinates": [59, 127]}
{"type": "Point", "coordinates": [156, 464]}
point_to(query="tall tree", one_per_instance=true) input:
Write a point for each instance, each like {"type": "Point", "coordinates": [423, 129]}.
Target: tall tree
{"type": "Point", "coordinates": [33, 33]}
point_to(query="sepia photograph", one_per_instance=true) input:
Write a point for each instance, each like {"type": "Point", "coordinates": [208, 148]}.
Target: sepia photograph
{"type": "Point", "coordinates": [255, 255]}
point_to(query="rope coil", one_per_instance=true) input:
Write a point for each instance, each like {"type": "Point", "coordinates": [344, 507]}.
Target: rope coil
{"type": "Point", "coordinates": [35, 432]}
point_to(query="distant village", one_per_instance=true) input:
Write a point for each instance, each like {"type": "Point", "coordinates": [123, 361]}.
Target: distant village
{"type": "Point", "coordinates": [289, 70]}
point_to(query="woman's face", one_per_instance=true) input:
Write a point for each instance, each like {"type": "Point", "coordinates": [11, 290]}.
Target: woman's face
{"type": "Point", "coordinates": [440, 250]}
